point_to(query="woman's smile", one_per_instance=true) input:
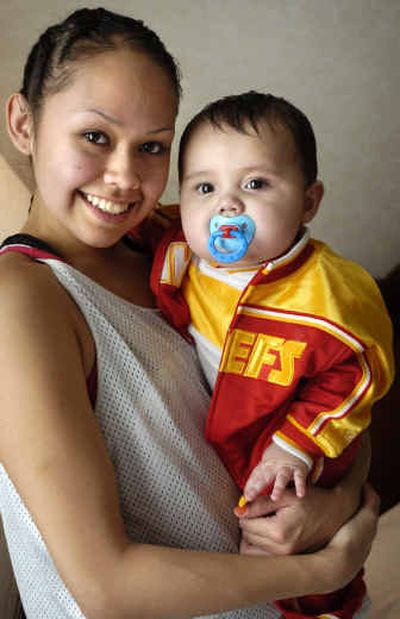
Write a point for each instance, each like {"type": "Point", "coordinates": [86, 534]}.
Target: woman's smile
{"type": "Point", "coordinates": [108, 210]}
{"type": "Point", "coordinates": [108, 206]}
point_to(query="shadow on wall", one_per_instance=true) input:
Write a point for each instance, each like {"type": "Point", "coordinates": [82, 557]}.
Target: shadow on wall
{"type": "Point", "coordinates": [14, 200]}
{"type": "Point", "coordinates": [385, 429]}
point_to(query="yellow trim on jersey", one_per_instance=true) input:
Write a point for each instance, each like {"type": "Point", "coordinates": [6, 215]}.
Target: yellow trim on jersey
{"type": "Point", "coordinates": [337, 435]}
{"type": "Point", "coordinates": [348, 402]}
{"type": "Point", "coordinates": [309, 321]}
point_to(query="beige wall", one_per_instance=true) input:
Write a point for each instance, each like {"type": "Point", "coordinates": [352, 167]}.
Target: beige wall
{"type": "Point", "coordinates": [336, 59]}
{"type": "Point", "coordinates": [14, 200]}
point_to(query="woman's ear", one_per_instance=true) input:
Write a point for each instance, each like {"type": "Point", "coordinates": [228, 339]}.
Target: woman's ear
{"type": "Point", "coordinates": [20, 123]}
{"type": "Point", "coordinates": [312, 200]}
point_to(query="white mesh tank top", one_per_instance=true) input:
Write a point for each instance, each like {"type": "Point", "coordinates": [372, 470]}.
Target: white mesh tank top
{"type": "Point", "coordinates": [151, 408]}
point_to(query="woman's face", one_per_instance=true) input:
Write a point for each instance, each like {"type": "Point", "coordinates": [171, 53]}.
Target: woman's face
{"type": "Point", "coordinates": [101, 147]}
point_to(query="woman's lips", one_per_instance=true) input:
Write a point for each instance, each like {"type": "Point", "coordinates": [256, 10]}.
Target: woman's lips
{"type": "Point", "coordinates": [108, 206]}
{"type": "Point", "coordinates": [108, 210]}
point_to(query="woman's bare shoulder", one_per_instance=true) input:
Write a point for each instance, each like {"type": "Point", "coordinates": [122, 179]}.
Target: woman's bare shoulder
{"type": "Point", "coordinates": [23, 279]}
{"type": "Point", "coordinates": [34, 306]}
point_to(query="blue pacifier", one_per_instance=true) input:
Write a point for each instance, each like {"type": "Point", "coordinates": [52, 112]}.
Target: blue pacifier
{"type": "Point", "coordinates": [230, 237]}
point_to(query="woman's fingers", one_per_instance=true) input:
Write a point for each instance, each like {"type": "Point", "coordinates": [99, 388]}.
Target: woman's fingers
{"type": "Point", "coordinates": [352, 543]}
{"type": "Point", "coordinates": [371, 498]}
{"type": "Point", "coordinates": [361, 529]}
{"type": "Point", "coordinates": [251, 549]}
{"type": "Point", "coordinates": [271, 525]}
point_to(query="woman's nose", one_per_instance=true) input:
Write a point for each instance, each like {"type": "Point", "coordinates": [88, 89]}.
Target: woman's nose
{"type": "Point", "coordinates": [121, 171]}
{"type": "Point", "coordinates": [229, 206]}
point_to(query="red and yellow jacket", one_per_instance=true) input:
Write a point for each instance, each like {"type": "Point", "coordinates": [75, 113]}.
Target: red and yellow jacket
{"type": "Point", "coordinates": [307, 353]}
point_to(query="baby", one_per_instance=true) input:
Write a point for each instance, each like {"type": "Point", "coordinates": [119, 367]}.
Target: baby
{"type": "Point", "coordinates": [294, 340]}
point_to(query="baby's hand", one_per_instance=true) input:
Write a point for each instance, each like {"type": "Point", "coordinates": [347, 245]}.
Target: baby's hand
{"type": "Point", "coordinates": [276, 469]}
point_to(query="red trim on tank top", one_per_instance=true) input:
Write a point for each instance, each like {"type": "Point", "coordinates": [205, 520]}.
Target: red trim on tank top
{"type": "Point", "coordinates": [32, 252]}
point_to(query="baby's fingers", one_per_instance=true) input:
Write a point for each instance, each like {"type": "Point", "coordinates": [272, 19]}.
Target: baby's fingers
{"type": "Point", "coordinates": [300, 480]}
{"type": "Point", "coordinates": [260, 478]}
{"type": "Point", "coordinates": [283, 477]}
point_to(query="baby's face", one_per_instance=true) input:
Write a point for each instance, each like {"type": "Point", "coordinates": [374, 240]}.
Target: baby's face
{"type": "Point", "coordinates": [241, 177]}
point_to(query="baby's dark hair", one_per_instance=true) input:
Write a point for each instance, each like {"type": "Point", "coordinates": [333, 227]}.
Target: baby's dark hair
{"type": "Point", "coordinates": [253, 108]}
{"type": "Point", "coordinates": [85, 33]}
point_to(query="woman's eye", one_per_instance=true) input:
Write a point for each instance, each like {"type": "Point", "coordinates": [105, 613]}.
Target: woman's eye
{"type": "Point", "coordinates": [255, 183]}
{"type": "Point", "coordinates": [95, 137]}
{"type": "Point", "coordinates": [204, 188]}
{"type": "Point", "coordinates": [152, 148]}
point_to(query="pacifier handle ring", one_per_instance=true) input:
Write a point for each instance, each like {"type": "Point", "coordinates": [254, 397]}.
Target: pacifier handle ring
{"type": "Point", "coordinates": [227, 257]}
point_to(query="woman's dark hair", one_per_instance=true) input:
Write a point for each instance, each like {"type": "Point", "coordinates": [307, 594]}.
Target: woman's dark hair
{"type": "Point", "coordinates": [253, 108]}
{"type": "Point", "coordinates": [84, 33]}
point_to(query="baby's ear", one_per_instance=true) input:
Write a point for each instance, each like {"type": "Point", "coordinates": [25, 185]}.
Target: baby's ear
{"type": "Point", "coordinates": [20, 123]}
{"type": "Point", "coordinates": [312, 199]}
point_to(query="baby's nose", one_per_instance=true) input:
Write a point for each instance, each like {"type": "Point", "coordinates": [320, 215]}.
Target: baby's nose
{"type": "Point", "coordinates": [229, 206]}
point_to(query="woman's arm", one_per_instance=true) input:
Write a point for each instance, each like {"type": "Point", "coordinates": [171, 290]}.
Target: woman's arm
{"type": "Point", "coordinates": [203, 583]}
{"type": "Point", "coordinates": [297, 525]}
{"type": "Point", "coordinates": [52, 449]}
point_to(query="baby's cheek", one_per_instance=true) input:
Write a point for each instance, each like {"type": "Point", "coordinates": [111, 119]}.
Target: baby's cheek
{"type": "Point", "coordinates": [197, 238]}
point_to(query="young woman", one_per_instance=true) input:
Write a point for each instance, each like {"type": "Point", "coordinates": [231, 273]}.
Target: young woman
{"type": "Point", "coordinates": [105, 475]}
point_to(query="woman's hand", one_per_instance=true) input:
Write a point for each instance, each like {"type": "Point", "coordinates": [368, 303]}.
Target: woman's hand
{"type": "Point", "coordinates": [293, 525]}
{"type": "Point", "coordinates": [348, 549]}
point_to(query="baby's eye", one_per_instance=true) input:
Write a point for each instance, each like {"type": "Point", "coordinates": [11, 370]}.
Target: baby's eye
{"type": "Point", "coordinates": [256, 183]}
{"type": "Point", "coordinates": [204, 188]}
{"type": "Point", "coordinates": [95, 137]}
{"type": "Point", "coordinates": [152, 148]}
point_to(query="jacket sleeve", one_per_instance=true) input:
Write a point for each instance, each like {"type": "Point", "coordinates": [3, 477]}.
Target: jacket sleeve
{"type": "Point", "coordinates": [334, 406]}
{"type": "Point", "coordinates": [171, 257]}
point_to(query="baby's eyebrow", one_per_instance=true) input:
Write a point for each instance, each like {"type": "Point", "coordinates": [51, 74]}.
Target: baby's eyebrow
{"type": "Point", "coordinates": [256, 169]}
{"type": "Point", "coordinates": [200, 173]}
